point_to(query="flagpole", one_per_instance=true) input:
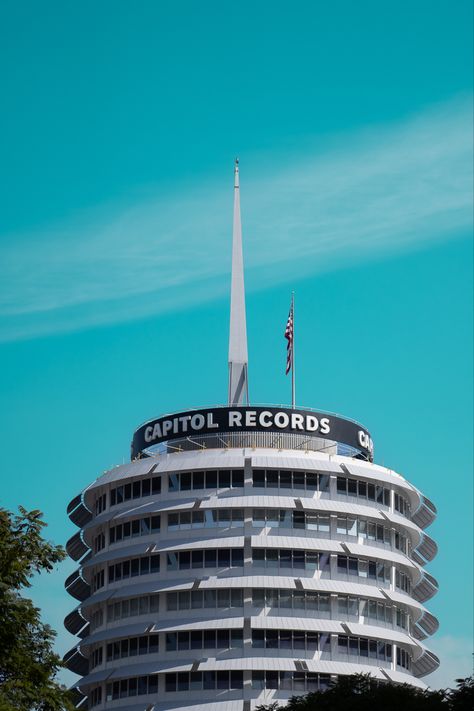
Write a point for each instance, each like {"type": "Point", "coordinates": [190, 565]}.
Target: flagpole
{"type": "Point", "coordinates": [293, 354]}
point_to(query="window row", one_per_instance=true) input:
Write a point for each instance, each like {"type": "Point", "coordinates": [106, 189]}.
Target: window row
{"type": "Point", "coordinates": [403, 659]}
{"type": "Point", "coordinates": [287, 558]}
{"type": "Point", "coordinates": [133, 529]}
{"type": "Point", "coordinates": [98, 580]}
{"type": "Point", "coordinates": [372, 610]}
{"type": "Point", "coordinates": [291, 599]}
{"type": "Point", "coordinates": [198, 599]}
{"type": "Point", "coordinates": [96, 658]}
{"type": "Point", "coordinates": [217, 479]}
{"type": "Point", "coordinates": [133, 607]}
{"type": "Point", "coordinates": [286, 479]}
{"type": "Point", "coordinates": [132, 647]}
{"type": "Point", "coordinates": [97, 619]}
{"type": "Point", "coordinates": [364, 490]}
{"type": "Point", "coordinates": [402, 581]}
{"type": "Point", "coordinates": [204, 681]}
{"type": "Point", "coordinates": [212, 558]}
{"type": "Point", "coordinates": [135, 490]}
{"type": "Point", "coordinates": [362, 647]}
{"type": "Point", "coordinates": [100, 504]}
{"type": "Point", "coordinates": [291, 640]}
{"type": "Point", "coordinates": [401, 505]}
{"type": "Point", "coordinates": [230, 518]}
{"type": "Point", "coordinates": [137, 686]}
{"type": "Point", "coordinates": [95, 697]}
{"type": "Point", "coordinates": [371, 569]}
{"type": "Point", "coordinates": [290, 681]}
{"type": "Point", "coordinates": [136, 566]}
{"type": "Point", "coordinates": [204, 639]}
{"type": "Point", "coordinates": [208, 518]}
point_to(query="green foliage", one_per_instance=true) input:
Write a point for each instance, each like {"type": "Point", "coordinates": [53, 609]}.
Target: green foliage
{"type": "Point", "coordinates": [361, 693]}
{"type": "Point", "coordinates": [28, 665]}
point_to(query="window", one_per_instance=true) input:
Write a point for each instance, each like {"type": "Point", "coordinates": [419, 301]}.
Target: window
{"type": "Point", "coordinates": [131, 568]}
{"type": "Point", "coordinates": [136, 686]}
{"type": "Point", "coordinates": [204, 639]}
{"type": "Point", "coordinates": [100, 504]}
{"type": "Point", "coordinates": [130, 647]}
{"type": "Point", "coordinates": [295, 681]}
{"type": "Point", "coordinates": [362, 647]}
{"type": "Point", "coordinates": [185, 681]}
{"type": "Point", "coordinates": [220, 558]}
{"type": "Point", "coordinates": [285, 479]}
{"type": "Point", "coordinates": [295, 559]}
{"type": "Point", "coordinates": [135, 490]}
{"type": "Point", "coordinates": [207, 518]}
{"type": "Point", "coordinates": [132, 529]}
{"type": "Point", "coordinates": [192, 481]}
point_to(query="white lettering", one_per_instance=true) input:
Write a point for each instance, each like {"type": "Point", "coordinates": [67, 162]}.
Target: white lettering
{"type": "Point", "coordinates": [167, 427]}
{"type": "Point", "coordinates": [156, 431]}
{"type": "Point", "coordinates": [198, 421]}
{"type": "Point", "coordinates": [281, 420]}
{"type": "Point", "coordinates": [149, 433]}
{"type": "Point", "coordinates": [325, 426]}
{"type": "Point", "coordinates": [184, 422]}
{"type": "Point", "coordinates": [312, 423]}
{"type": "Point", "coordinates": [264, 418]}
{"type": "Point", "coordinates": [210, 420]}
{"type": "Point", "coordinates": [250, 418]}
{"type": "Point", "coordinates": [365, 441]}
{"type": "Point", "coordinates": [297, 421]}
{"type": "Point", "coordinates": [235, 418]}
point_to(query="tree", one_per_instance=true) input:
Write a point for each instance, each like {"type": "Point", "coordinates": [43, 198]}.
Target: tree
{"type": "Point", "coordinates": [362, 693]}
{"type": "Point", "coordinates": [28, 665]}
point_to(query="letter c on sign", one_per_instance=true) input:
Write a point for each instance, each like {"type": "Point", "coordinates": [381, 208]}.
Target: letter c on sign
{"type": "Point", "coordinates": [149, 434]}
{"type": "Point", "coordinates": [265, 418]}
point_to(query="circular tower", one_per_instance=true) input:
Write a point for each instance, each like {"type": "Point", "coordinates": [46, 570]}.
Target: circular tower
{"type": "Point", "coordinates": [245, 555]}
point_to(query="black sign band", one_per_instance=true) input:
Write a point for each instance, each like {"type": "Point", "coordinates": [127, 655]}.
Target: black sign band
{"type": "Point", "coordinates": [251, 419]}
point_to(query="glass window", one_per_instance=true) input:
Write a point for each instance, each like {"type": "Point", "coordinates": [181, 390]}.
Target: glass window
{"type": "Point", "coordinates": [298, 480]}
{"type": "Point", "coordinates": [236, 680]}
{"type": "Point", "coordinates": [184, 560]}
{"type": "Point", "coordinates": [185, 481]}
{"type": "Point", "coordinates": [223, 558]}
{"type": "Point", "coordinates": [259, 478]}
{"type": "Point", "coordinates": [137, 489]}
{"type": "Point", "coordinates": [170, 682]}
{"type": "Point", "coordinates": [211, 480]}
{"type": "Point", "coordinates": [173, 485]}
{"type": "Point", "coordinates": [224, 479]}
{"type": "Point", "coordinates": [198, 480]}
{"type": "Point", "coordinates": [146, 487]}
{"type": "Point", "coordinates": [237, 478]}
{"type": "Point", "coordinates": [208, 680]}
{"type": "Point", "coordinates": [210, 557]}
{"type": "Point", "coordinates": [272, 478]}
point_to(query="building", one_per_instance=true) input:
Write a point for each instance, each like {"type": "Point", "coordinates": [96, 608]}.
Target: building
{"type": "Point", "coordinates": [246, 554]}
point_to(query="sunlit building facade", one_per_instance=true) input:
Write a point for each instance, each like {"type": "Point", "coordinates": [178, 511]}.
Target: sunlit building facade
{"type": "Point", "coordinates": [247, 554]}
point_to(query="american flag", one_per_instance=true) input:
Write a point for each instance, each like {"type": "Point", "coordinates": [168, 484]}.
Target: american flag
{"type": "Point", "coordinates": [289, 338]}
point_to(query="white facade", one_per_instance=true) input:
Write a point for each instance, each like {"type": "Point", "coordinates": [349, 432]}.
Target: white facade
{"type": "Point", "coordinates": [225, 578]}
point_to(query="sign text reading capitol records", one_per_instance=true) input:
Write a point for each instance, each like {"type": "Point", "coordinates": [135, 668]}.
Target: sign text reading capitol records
{"type": "Point", "coordinates": [235, 419]}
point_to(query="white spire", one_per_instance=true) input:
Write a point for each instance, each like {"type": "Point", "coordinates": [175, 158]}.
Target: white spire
{"type": "Point", "coordinates": [238, 357]}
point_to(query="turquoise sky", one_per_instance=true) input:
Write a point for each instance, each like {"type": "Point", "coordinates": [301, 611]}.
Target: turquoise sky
{"type": "Point", "coordinates": [119, 126]}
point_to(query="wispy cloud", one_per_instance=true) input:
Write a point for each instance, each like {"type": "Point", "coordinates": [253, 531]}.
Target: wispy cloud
{"type": "Point", "coordinates": [386, 189]}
